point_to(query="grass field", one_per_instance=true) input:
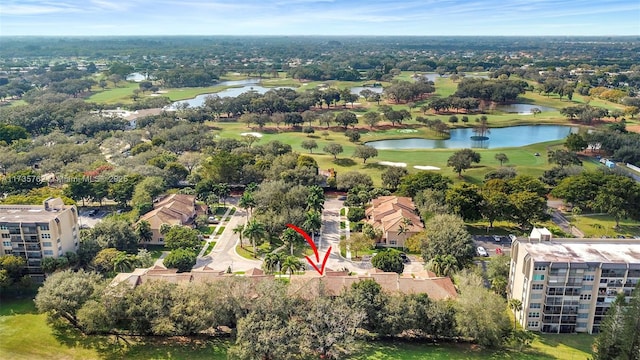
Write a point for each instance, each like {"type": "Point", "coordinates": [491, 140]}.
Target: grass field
{"type": "Point", "coordinates": [604, 225]}
{"type": "Point", "coordinates": [27, 335]}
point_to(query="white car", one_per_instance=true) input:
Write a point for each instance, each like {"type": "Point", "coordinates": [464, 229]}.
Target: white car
{"type": "Point", "coordinates": [512, 237]}
{"type": "Point", "coordinates": [497, 238]}
{"type": "Point", "coordinates": [482, 251]}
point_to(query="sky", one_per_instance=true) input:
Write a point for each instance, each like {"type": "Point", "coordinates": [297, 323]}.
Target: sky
{"type": "Point", "coordinates": [319, 17]}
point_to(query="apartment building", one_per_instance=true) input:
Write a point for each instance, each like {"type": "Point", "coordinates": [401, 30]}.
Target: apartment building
{"type": "Point", "coordinates": [567, 285]}
{"type": "Point", "coordinates": [34, 232]}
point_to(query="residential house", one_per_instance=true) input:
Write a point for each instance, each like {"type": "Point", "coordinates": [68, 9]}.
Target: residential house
{"type": "Point", "coordinates": [396, 218]}
{"type": "Point", "coordinates": [174, 209]}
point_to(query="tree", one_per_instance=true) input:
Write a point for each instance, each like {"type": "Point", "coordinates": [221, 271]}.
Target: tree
{"type": "Point", "coordinates": [346, 118]}
{"type": "Point", "coordinates": [65, 292]}
{"type": "Point", "coordinates": [181, 258]}
{"type": "Point", "coordinates": [309, 145]}
{"type": "Point", "coordinates": [563, 158]}
{"type": "Point", "coordinates": [480, 314]}
{"type": "Point", "coordinates": [443, 265]}
{"type": "Point", "coordinates": [114, 233]}
{"type": "Point", "coordinates": [465, 200]}
{"type": "Point", "coordinates": [238, 230]}
{"type": "Point", "coordinates": [495, 205]}
{"type": "Point", "coordinates": [272, 262]}
{"type": "Point", "coordinates": [618, 197]}
{"type": "Point", "coordinates": [360, 242]}
{"type": "Point", "coordinates": [462, 159]}
{"type": "Point", "coordinates": [367, 296]}
{"type": "Point", "coordinates": [352, 179]}
{"type": "Point", "coordinates": [352, 134]}
{"type": "Point", "coordinates": [388, 261]}
{"type": "Point", "coordinates": [331, 326]}
{"type": "Point", "coordinates": [527, 207]}
{"type": "Point", "coordinates": [371, 118]}
{"type": "Point", "coordinates": [392, 177]}
{"type": "Point", "coordinates": [575, 142]}
{"type": "Point", "coordinates": [516, 306]}
{"type": "Point", "coordinates": [447, 235]}
{"type": "Point", "coordinates": [502, 157]}
{"type": "Point", "coordinates": [247, 202]}
{"type": "Point", "coordinates": [618, 337]}
{"type": "Point", "coordinates": [333, 149]}
{"type": "Point", "coordinates": [255, 231]}
{"type": "Point", "coordinates": [292, 238]}
{"type": "Point", "coordinates": [291, 264]}
{"type": "Point", "coordinates": [143, 231]}
{"type": "Point", "coordinates": [365, 152]}
{"type": "Point", "coordinates": [11, 269]}
{"type": "Point", "coordinates": [182, 237]}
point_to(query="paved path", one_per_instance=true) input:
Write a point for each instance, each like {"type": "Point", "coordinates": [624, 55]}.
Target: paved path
{"type": "Point", "coordinates": [214, 233]}
{"type": "Point", "coordinates": [224, 253]}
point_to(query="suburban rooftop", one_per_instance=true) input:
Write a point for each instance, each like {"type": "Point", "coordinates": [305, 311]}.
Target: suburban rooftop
{"type": "Point", "coordinates": [584, 250]}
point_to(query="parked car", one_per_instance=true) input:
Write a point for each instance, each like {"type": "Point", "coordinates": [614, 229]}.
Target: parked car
{"type": "Point", "coordinates": [512, 237]}
{"type": "Point", "coordinates": [498, 251]}
{"type": "Point", "coordinates": [213, 220]}
{"type": "Point", "coordinates": [482, 251]}
{"type": "Point", "coordinates": [405, 258]}
{"type": "Point", "coordinates": [497, 238]}
{"type": "Point", "coordinates": [92, 212]}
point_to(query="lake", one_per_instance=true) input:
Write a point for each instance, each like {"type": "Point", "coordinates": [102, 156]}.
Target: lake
{"type": "Point", "coordinates": [357, 89]}
{"type": "Point", "coordinates": [243, 86]}
{"type": "Point", "coordinates": [522, 109]}
{"type": "Point", "coordinates": [514, 136]}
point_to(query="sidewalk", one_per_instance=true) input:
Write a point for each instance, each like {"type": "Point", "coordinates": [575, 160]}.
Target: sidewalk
{"type": "Point", "coordinates": [214, 234]}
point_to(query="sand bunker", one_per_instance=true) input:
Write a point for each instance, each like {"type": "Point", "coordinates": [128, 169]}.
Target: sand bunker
{"type": "Point", "coordinates": [426, 167]}
{"type": "Point", "coordinates": [258, 135]}
{"type": "Point", "coordinates": [389, 163]}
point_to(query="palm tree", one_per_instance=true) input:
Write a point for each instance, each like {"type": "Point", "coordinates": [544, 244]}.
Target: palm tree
{"type": "Point", "coordinates": [247, 202]}
{"type": "Point", "coordinates": [272, 262]}
{"type": "Point", "coordinates": [291, 264]}
{"type": "Point", "coordinates": [143, 230]}
{"type": "Point", "coordinates": [315, 199]}
{"type": "Point", "coordinates": [124, 262]}
{"type": "Point", "coordinates": [443, 265]}
{"type": "Point", "coordinates": [312, 223]}
{"type": "Point", "coordinates": [404, 228]}
{"type": "Point", "coordinates": [238, 230]}
{"type": "Point", "coordinates": [291, 237]}
{"type": "Point", "coordinates": [255, 231]}
{"type": "Point", "coordinates": [516, 306]}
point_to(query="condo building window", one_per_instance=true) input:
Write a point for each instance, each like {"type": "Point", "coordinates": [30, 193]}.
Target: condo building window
{"type": "Point", "coordinates": [588, 278]}
{"type": "Point", "coordinates": [535, 305]}
{"type": "Point", "coordinates": [46, 244]}
{"type": "Point", "coordinates": [46, 236]}
{"type": "Point", "coordinates": [533, 323]}
{"type": "Point", "coordinates": [4, 227]}
{"type": "Point", "coordinates": [534, 314]}
{"type": "Point", "coordinates": [540, 268]}
{"type": "Point", "coordinates": [537, 287]}
{"type": "Point", "coordinates": [48, 252]}
{"type": "Point", "coordinates": [538, 277]}
{"type": "Point", "coordinates": [6, 243]}
{"type": "Point", "coordinates": [44, 227]}
{"type": "Point", "coordinates": [6, 236]}
{"type": "Point", "coordinates": [585, 297]}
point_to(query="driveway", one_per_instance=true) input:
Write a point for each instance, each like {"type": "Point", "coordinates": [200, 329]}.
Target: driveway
{"type": "Point", "coordinates": [224, 254]}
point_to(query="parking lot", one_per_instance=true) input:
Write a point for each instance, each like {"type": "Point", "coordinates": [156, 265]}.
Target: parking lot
{"type": "Point", "coordinates": [88, 217]}
{"type": "Point", "coordinates": [493, 242]}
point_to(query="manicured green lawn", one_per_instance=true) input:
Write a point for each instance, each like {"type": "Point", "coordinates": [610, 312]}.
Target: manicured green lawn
{"type": "Point", "coordinates": [120, 94]}
{"type": "Point", "coordinates": [26, 335]}
{"type": "Point", "coordinates": [156, 250]}
{"type": "Point", "coordinates": [603, 225]}
{"type": "Point", "coordinates": [206, 230]}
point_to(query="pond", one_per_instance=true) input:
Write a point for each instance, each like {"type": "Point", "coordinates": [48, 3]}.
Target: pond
{"type": "Point", "coordinates": [514, 136]}
{"type": "Point", "coordinates": [522, 109]}
{"type": "Point", "coordinates": [357, 89]}
{"type": "Point", "coordinates": [138, 77]}
{"type": "Point", "coordinates": [245, 85]}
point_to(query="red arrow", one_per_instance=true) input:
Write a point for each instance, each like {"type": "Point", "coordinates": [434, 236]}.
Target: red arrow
{"type": "Point", "coordinates": [314, 248]}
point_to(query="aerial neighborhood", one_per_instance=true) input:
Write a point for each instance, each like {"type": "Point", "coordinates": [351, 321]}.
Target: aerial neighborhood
{"type": "Point", "coordinates": [335, 197]}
